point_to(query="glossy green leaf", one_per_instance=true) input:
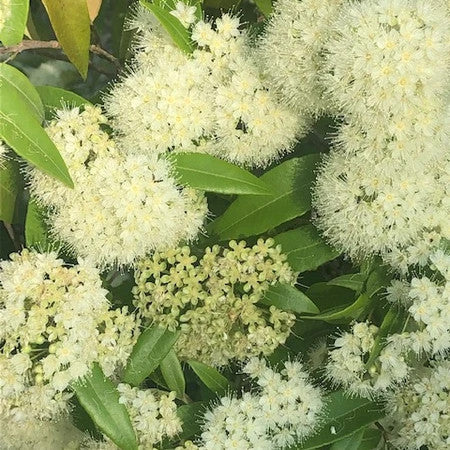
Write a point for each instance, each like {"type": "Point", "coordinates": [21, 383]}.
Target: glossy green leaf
{"type": "Point", "coordinates": [353, 311]}
{"type": "Point", "coordinates": [36, 230]}
{"type": "Point", "coordinates": [22, 131]}
{"type": "Point", "coordinates": [71, 23]}
{"type": "Point", "coordinates": [100, 398]}
{"type": "Point", "coordinates": [378, 279]}
{"type": "Point", "coordinates": [344, 416]}
{"type": "Point", "coordinates": [16, 14]}
{"type": "Point", "coordinates": [211, 174]}
{"type": "Point", "coordinates": [364, 439]}
{"type": "Point", "coordinates": [393, 323]}
{"type": "Point", "coordinates": [9, 188]}
{"type": "Point", "coordinates": [288, 298]}
{"type": "Point", "coordinates": [290, 197]}
{"type": "Point", "coordinates": [305, 248]}
{"type": "Point", "coordinates": [353, 281]}
{"type": "Point", "coordinates": [214, 380]}
{"type": "Point", "coordinates": [172, 25]}
{"type": "Point", "coordinates": [151, 348]}
{"type": "Point", "coordinates": [265, 6]}
{"type": "Point", "coordinates": [327, 297]}
{"type": "Point", "coordinates": [191, 417]}
{"type": "Point", "coordinates": [10, 79]}
{"type": "Point", "coordinates": [54, 98]}
{"type": "Point", "coordinates": [173, 373]}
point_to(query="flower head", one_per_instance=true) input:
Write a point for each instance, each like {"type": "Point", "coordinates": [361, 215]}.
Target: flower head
{"type": "Point", "coordinates": [214, 300]}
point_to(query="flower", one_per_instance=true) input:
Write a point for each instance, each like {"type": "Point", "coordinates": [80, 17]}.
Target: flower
{"type": "Point", "coordinates": [284, 408]}
{"type": "Point", "coordinates": [387, 63]}
{"type": "Point", "coordinates": [55, 322]}
{"type": "Point", "coordinates": [184, 13]}
{"type": "Point", "coordinates": [123, 206]}
{"type": "Point", "coordinates": [292, 49]}
{"type": "Point", "coordinates": [419, 410]}
{"type": "Point", "coordinates": [214, 300]}
{"type": "Point", "coordinates": [214, 100]}
{"type": "Point", "coordinates": [377, 205]}
{"type": "Point", "coordinates": [347, 364]}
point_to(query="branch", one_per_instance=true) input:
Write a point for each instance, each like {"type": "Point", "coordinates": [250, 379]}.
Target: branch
{"type": "Point", "coordinates": [14, 50]}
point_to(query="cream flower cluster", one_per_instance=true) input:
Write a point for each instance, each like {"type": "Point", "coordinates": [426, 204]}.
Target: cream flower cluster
{"type": "Point", "coordinates": [284, 408]}
{"type": "Point", "coordinates": [371, 206]}
{"type": "Point", "coordinates": [214, 300]}
{"type": "Point", "coordinates": [292, 50]}
{"type": "Point", "coordinates": [420, 410]}
{"type": "Point", "coordinates": [384, 189]}
{"type": "Point", "coordinates": [123, 206]}
{"type": "Point", "coordinates": [213, 101]}
{"type": "Point", "coordinates": [55, 322]}
{"type": "Point", "coordinates": [18, 434]}
{"type": "Point", "coordinates": [347, 365]}
{"type": "Point", "coordinates": [428, 302]}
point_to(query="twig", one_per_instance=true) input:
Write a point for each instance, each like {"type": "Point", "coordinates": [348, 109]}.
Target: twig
{"type": "Point", "coordinates": [14, 50]}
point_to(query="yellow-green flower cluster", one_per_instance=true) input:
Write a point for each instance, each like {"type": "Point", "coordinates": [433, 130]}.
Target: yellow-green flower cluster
{"type": "Point", "coordinates": [214, 300]}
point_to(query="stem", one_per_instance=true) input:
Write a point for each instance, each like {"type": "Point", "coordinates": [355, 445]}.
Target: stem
{"type": "Point", "coordinates": [14, 50]}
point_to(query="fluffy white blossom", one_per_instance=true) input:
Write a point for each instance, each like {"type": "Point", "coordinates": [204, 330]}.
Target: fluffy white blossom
{"type": "Point", "coordinates": [184, 13]}
{"type": "Point", "coordinates": [428, 302]}
{"type": "Point", "coordinates": [214, 300]}
{"type": "Point", "coordinates": [24, 434]}
{"type": "Point", "coordinates": [123, 206]}
{"type": "Point", "coordinates": [55, 322]}
{"type": "Point", "coordinates": [213, 101]}
{"type": "Point", "coordinates": [347, 365]}
{"type": "Point", "coordinates": [283, 409]}
{"type": "Point", "coordinates": [419, 411]}
{"type": "Point", "coordinates": [292, 51]}
{"type": "Point", "coordinates": [374, 205]}
{"type": "Point", "coordinates": [388, 63]}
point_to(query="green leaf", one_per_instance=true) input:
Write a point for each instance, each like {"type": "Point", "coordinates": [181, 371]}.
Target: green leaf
{"type": "Point", "coordinates": [190, 416]}
{"type": "Point", "coordinates": [326, 296]}
{"type": "Point", "coordinates": [214, 380]}
{"type": "Point", "coordinates": [36, 230]}
{"type": "Point", "coordinates": [9, 188]}
{"type": "Point", "coordinates": [16, 19]}
{"type": "Point", "coordinates": [353, 311]}
{"type": "Point", "coordinates": [11, 78]}
{"type": "Point", "coordinates": [393, 323]}
{"type": "Point", "coordinates": [290, 197]}
{"type": "Point", "coordinates": [265, 6]}
{"type": "Point", "coordinates": [20, 129]}
{"type": "Point", "coordinates": [211, 174]}
{"type": "Point", "coordinates": [305, 248]}
{"type": "Point", "coordinates": [353, 281]}
{"type": "Point", "coordinates": [344, 417]}
{"type": "Point", "coordinates": [379, 278]}
{"type": "Point", "coordinates": [71, 23]}
{"type": "Point", "coordinates": [151, 348]}
{"type": "Point", "coordinates": [173, 373]}
{"type": "Point", "coordinates": [55, 98]}
{"type": "Point", "coordinates": [172, 25]}
{"type": "Point", "coordinates": [288, 298]}
{"type": "Point", "coordinates": [364, 439]}
{"type": "Point", "coordinates": [100, 398]}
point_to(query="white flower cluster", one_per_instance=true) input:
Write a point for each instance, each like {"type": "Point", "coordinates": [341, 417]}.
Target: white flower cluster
{"type": "Point", "coordinates": [385, 188]}
{"type": "Point", "coordinates": [55, 322]}
{"type": "Point", "coordinates": [284, 409]}
{"type": "Point", "coordinates": [214, 301]}
{"type": "Point", "coordinates": [420, 410]}
{"type": "Point", "coordinates": [24, 434]}
{"type": "Point", "coordinates": [123, 206]}
{"type": "Point", "coordinates": [428, 303]}
{"type": "Point", "coordinates": [292, 51]}
{"type": "Point", "coordinates": [347, 365]}
{"type": "Point", "coordinates": [213, 101]}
